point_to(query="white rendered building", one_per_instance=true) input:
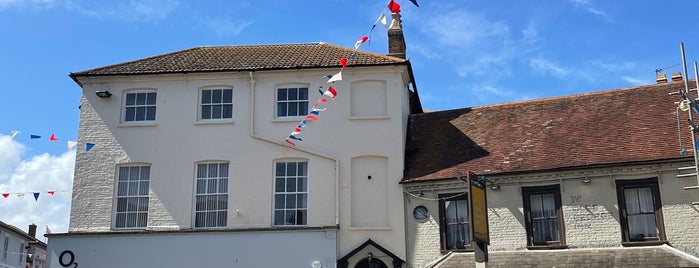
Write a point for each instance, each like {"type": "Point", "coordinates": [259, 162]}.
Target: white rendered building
{"type": "Point", "coordinates": [189, 166]}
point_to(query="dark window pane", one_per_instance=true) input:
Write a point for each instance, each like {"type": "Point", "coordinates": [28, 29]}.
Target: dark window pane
{"type": "Point", "coordinates": [150, 113]}
{"type": "Point", "coordinates": [302, 168]}
{"type": "Point", "coordinates": [291, 169]}
{"type": "Point", "coordinates": [199, 219]}
{"type": "Point", "coordinates": [228, 96]}
{"type": "Point", "coordinates": [121, 205]}
{"type": "Point", "coordinates": [223, 185]}
{"type": "Point", "coordinates": [279, 201]}
{"type": "Point", "coordinates": [150, 100]}
{"type": "Point", "coordinates": [301, 185]}
{"type": "Point", "coordinates": [131, 219]}
{"type": "Point", "coordinates": [291, 185]}
{"type": "Point", "coordinates": [228, 111]}
{"type": "Point", "coordinates": [301, 217]}
{"type": "Point", "coordinates": [216, 112]}
{"type": "Point", "coordinates": [279, 217]}
{"type": "Point", "coordinates": [279, 185]}
{"type": "Point", "coordinates": [140, 113]}
{"type": "Point", "coordinates": [293, 94]}
{"type": "Point", "coordinates": [143, 188]}
{"type": "Point", "coordinates": [222, 217]}
{"type": "Point", "coordinates": [120, 220]}
{"type": "Point", "coordinates": [216, 96]}
{"type": "Point", "coordinates": [293, 109]}
{"type": "Point", "coordinates": [303, 93]}
{"type": "Point", "coordinates": [290, 201]}
{"type": "Point", "coordinates": [122, 188]}
{"type": "Point", "coordinates": [290, 217]}
{"type": "Point", "coordinates": [303, 108]}
{"type": "Point", "coordinates": [281, 168]}
{"type": "Point", "coordinates": [206, 97]}
{"type": "Point", "coordinates": [213, 171]}
{"type": "Point", "coordinates": [130, 114]}
{"type": "Point", "coordinates": [301, 200]}
{"type": "Point", "coordinates": [206, 112]}
{"type": "Point", "coordinates": [281, 109]}
{"type": "Point", "coordinates": [140, 98]}
{"type": "Point", "coordinates": [130, 98]}
{"type": "Point", "coordinates": [281, 94]}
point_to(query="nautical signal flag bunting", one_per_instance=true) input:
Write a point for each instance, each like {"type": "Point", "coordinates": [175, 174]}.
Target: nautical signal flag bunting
{"type": "Point", "coordinates": [331, 92]}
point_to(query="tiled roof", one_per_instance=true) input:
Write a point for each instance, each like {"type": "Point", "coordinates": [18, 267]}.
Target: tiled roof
{"type": "Point", "coordinates": [243, 58]}
{"type": "Point", "coordinates": [602, 128]}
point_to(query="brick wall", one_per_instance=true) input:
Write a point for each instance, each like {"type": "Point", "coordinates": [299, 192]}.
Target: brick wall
{"type": "Point", "coordinates": [590, 211]}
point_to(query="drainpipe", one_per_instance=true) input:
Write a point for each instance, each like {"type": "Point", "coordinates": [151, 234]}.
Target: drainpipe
{"type": "Point", "coordinates": [337, 162]}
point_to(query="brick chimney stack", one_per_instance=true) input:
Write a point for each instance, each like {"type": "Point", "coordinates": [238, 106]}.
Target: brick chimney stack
{"type": "Point", "coordinates": [32, 230]}
{"type": "Point", "coordinates": [396, 42]}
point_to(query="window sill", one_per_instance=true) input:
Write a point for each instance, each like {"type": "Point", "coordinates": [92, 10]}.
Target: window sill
{"type": "Point", "coordinates": [382, 117]}
{"type": "Point", "coordinates": [369, 228]}
{"type": "Point", "coordinates": [138, 124]}
{"type": "Point", "coordinates": [644, 243]}
{"type": "Point", "coordinates": [540, 247]}
{"type": "Point", "coordinates": [469, 249]}
{"type": "Point", "coordinates": [287, 119]}
{"type": "Point", "coordinates": [214, 122]}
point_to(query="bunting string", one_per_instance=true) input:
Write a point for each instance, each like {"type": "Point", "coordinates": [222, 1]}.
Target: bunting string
{"type": "Point", "coordinates": [52, 138]}
{"type": "Point", "coordinates": [331, 92]}
{"type": "Point", "coordinates": [21, 195]}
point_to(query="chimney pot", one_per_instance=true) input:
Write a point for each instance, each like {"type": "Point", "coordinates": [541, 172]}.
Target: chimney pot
{"type": "Point", "coordinates": [661, 78]}
{"type": "Point", "coordinates": [396, 41]}
{"type": "Point", "coordinates": [676, 76]}
{"type": "Point", "coordinates": [32, 230]}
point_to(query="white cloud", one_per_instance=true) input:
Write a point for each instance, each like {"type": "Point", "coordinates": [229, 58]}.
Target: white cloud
{"type": "Point", "coordinates": [636, 81]}
{"type": "Point", "coordinates": [589, 7]}
{"type": "Point", "coordinates": [461, 28]}
{"type": "Point", "coordinates": [41, 173]}
{"type": "Point", "coordinates": [136, 10]}
{"type": "Point", "coordinates": [222, 26]}
{"type": "Point", "coordinates": [26, 3]}
{"type": "Point", "coordinates": [546, 67]}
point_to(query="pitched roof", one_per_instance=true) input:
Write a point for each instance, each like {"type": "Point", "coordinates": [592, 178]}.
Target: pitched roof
{"type": "Point", "coordinates": [602, 128]}
{"type": "Point", "coordinates": [243, 58]}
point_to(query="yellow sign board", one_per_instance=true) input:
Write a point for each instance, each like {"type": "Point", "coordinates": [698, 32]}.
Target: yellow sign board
{"type": "Point", "coordinates": [479, 209]}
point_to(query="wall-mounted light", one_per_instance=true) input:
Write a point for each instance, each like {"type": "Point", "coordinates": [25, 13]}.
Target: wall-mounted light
{"type": "Point", "coordinates": [316, 264]}
{"type": "Point", "coordinates": [495, 187]}
{"type": "Point", "coordinates": [370, 257]}
{"type": "Point", "coordinates": [585, 181]}
{"type": "Point", "coordinates": [103, 93]}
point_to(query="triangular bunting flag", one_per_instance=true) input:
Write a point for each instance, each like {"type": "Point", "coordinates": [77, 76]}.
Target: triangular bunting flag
{"type": "Point", "coordinates": [360, 42]}
{"type": "Point", "coordinates": [20, 196]}
{"type": "Point", "coordinates": [289, 142]}
{"type": "Point", "coordinates": [5, 195]}
{"type": "Point", "coordinates": [312, 117]}
{"type": "Point", "coordinates": [295, 138]}
{"type": "Point", "coordinates": [89, 146]}
{"type": "Point", "coordinates": [53, 137]}
{"type": "Point", "coordinates": [36, 196]}
{"type": "Point", "coordinates": [51, 192]}
{"type": "Point", "coordinates": [382, 20]}
{"type": "Point", "coordinates": [32, 136]}
{"type": "Point", "coordinates": [72, 144]}
{"type": "Point", "coordinates": [335, 77]}
{"type": "Point", "coordinates": [14, 133]}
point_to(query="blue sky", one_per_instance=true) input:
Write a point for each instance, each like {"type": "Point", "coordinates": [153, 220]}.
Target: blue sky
{"type": "Point", "coordinates": [464, 54]}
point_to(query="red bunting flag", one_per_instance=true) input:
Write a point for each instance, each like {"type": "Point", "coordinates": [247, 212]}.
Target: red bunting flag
{"type": "Point", "coordinates": [312, 118]}
{"type": "Point", "coordinates": [5, 195]}
{"type": "Point", "coordinates": [51, 192]}
{"type": "Point", "coordinates": [394, 7]}
{"type": "Point", "coordinates": [343, 61]}
{"type": "Point", "coordinates": [331, 92]}
{"type": "Point", "coordinates": [289, 142]}
{"type": "Point", "coordinates": [53, 137]}
{"type": "Point", "coordinates": [360, 41]}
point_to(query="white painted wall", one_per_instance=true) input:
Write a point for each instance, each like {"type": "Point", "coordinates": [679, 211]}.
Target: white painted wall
{"type": "Point", "coordinates": [590, 211]}
{"type": "Point", "coordinates": [13, 258]}
{"type": "Point", "coordinates": [201, 249]}
{"type": "Point", "coordinates": [176, 141]}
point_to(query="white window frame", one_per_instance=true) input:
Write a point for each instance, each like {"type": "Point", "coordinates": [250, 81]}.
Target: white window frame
{"type": "Point", "coordinates": [21, 253]}
{"type": "Point", "coordinates": [280, 100]}
{"type": "Point", "coordinates": [5, 247]}
{"type": "Point", "coordinates": [218, 198]}
{"type": "Point", "coordinates": [140, 196]}
{"type": "Point", "coordinates": [202, 107]}
{"type": "Point", "coordinates": [126, 106]}
{"type": "Point", "coordinates": [290, 192]}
